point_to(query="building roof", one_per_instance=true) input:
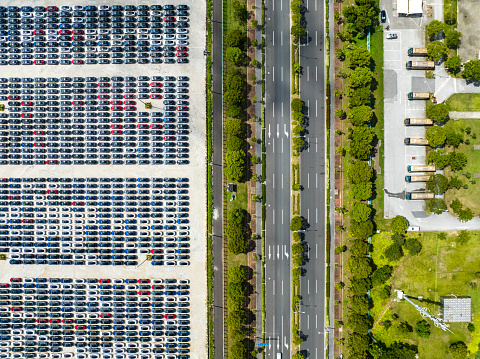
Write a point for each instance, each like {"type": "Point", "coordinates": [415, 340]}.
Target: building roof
{"type": "Point", "coordinates": [457, 309]}
{"type": "Point", "coordinates": [409, 7]}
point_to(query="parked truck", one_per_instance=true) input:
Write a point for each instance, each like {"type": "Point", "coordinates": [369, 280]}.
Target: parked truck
{"type": "Point", "coordinates": [416, 141]}
{"type": "Point", "coordinates": [417, 51]}
{"type": "Point", "coordinates": [418, 122]}
{"type": "Point", "coordinates": [419, 195]}
{"type": "Point", "coordinates": [420, 65]}
{"type": "Point", "coordinates": [418, 95]}
{"type": "Point", "coordinates": [416, 178]}
{"type": "Point", "coordinates": [421, 168]}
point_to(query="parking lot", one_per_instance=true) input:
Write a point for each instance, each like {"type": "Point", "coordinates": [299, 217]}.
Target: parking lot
{"type": "Point", "coordinates": [111, 143]}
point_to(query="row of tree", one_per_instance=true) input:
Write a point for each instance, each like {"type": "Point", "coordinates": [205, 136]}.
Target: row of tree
{"type": "Point", "coordinates": [235, 231]}
{"type": "Point", "coordinates": [236, 318]}
{"type": "Point", "coordinates": [234, 154]}
{"type": "Point", "coordinates": [438, 50]}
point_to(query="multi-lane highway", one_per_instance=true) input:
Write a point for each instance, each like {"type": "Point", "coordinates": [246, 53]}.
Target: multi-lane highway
{"type": "Point", "coordinates": [278, 183]}
{"type": "Point", "coordinates": [312, 178]}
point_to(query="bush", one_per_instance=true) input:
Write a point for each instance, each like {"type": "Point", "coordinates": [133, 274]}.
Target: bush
{"type": "Point", "coordinates": [438, 112]}
{"type": "Point", "coordinates": [413, 246]}
{"type": "Point", "coordinates": [234, 55]}
{"type": "Point", "coordinates": [360, 212]}
{"type": "Point", "coordinates": [235, 161]}
{"type": "Point", "coordinates": [360, 267]}
{"type": "Point", "coordinates": [359, 248]}
{"type": "Point", "coordinates": [296, 223]}
{"type": "Point", "coordinates": [359, 172]}
{"type": "Point", "coordinates": [394, 252]}
{"type": "Point", "coordinates": [233, 143]}
{"type": "Point", "coordinates": [422, 328]}
{"type": "Point", "coordinates": [233, 111]}
{"type": "Point", "coordinates": [437, 184]}
{"type": "Point", "coordinates": [234, 127]}
{"type": "Point", "coordinates": [361, 191]}
{"type": "Point", "coordinates": [361, 230]}
{"type": "Point", "coordinates": [381, 275]}
{"type": "Point", "coordinates": [235, 38]}
{"type": "Point", "coordinates": [360, 115]}
{"type": "Point", "coordinates": [458, 350]}
{"type": "Point", "coordinates": [436, 136]}
{"type": "Point", "coordinates": [471, 327]}
{"type": "Point", "coordinates": [385, 292]}
{"type": "Point", "coordinates": [399, 225]}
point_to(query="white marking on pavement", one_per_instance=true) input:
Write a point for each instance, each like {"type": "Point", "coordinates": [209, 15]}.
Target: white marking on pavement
{"type": "Point", "coordinates": [281, 38]}
{"type": "Point", "coordinates": [308, 214]}
{"type": "Point", "coordinates": [315, 5]}
{"type": "Point", "coordinates": [281, 5]}
{"type": "Point", "coordinates": [273, 32]}
{"type": "Point", "coordinates": [308, 107]}
{"type": "Point", "coordinates": [316, 250]}
{"type": "Point", "coordinates": [285, 129]}
{"type": "Point", "coordinates": [282, 175]}
{"type": "Point", "coordinates": [308, 74]}
{"type": "Point", "coordinates": [282, 287]}
{"type": "Point", "coordinates": [273, 70]}
{"type": "Point", "coordinates": [281, 74]}
{"type": "Point", "coordinates": [269, 252]}
{"type": "Point", "coordinates": [308, 180]}
{"type": "Point", "coordinates": [281, 338]}
{"type": "Point", "coordinates": [282, 216]}
{"type": "Point", "coordinates": [316, 286]}
{"type": "Point", "coordinates": [273, 109]}
{"type": "Point", "coordinates": [316, 215]}
{"type": "Point", "coordinates": [308, 251]}
{"type": "Point", "coordinates": [269, 133]}
{"type": "Point", "coordinates": [308, 286]}
{"type": "Point", "coordinates": [316, 320]}
{"type": "Point", "coordinates": [316, 73]}
{"type": "Point", "coordinates": [308, 321]}
{"type": "Point", "coordinates": [316, 108]}
{"type": "Point", "coordinates": [273, 145]}
{"type": "Point", "coordinates": [282, 144]}
{"type": "Point", "coordinates": [273, 217]}
{"type": "Point", "coordinates": [316, 34]}
{"type": "Point", "coordinates": [278, 252]}
{"type": "Point", "coordinates": [278, 130]}
{"type": "Point", "coordinates": [282, 109]}
{"type": "Point", "coordinates": [273, 184]}
{"type": "Point", "coordinates": [316, 180]}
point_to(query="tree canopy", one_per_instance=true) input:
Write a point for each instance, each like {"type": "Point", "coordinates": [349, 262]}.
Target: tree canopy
{"type": "Point", "coordinates": [436, 50]}
{"type": "Point", "coordinates": [359, 57]}
{"type": "Point", "coordinates": [360, 267]}
{"type": "Point", "coordinates": [452, 38]}
{"type": "Point", "coordinates": [454, 64]}
{"type": "Point", "coordinates": [233, 143]}
{"type": "Point", "coordinates": [361, 191]}
{"type": "Point", "coordinates": [361, 138]}
{"type": "Point", "coordinates": [360, 211]}
{"type": "Point", "coordinates": [360, 171]}
{"type": "Point", "coordinates": [361, 230]}
{"type": "Point", "coordinates": [458, 350]}
{"type": "Point", "coordinates": [436, 205]}
{"type": "Point", "coordinates": [360, 115]}
{"type": "Point", "coordinates": [471, 70]}
{"type": "Point", "coordinates": [235, 38]}
{"type": "Point", "coordinates": [234, 55]}
{"type": "Point", "coordinates": [434, 27]}
{"type": "Point", "coordinates": [399, 225]}
{"type": "Point", "coordinates": [437, 184]}
{"type": "Point", "coordinates": [436, 136]}
{"type": "Point", "coordinates": [438, 112]}
{"type": "Point", "coordinates": [360, 77]}
{"type": "Point", "coordinates": [233, 127]}
{"type": "Point", "coordinates": [296, 223]}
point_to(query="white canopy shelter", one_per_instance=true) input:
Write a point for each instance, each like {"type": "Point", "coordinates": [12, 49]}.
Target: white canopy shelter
{"type": "Point", "coordinates": [409, 7]}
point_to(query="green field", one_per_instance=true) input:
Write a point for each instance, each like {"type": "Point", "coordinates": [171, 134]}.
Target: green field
{"type": "Point", "coordinates": [464, 102]}
{"type": "Point", "coordinates": [442, 268]}
{"type": "Point", "coordinates": [470, 196]}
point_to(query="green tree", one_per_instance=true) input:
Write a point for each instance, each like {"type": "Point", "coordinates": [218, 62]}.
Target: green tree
{"type": "Point", "coordinates": [439, 158]}
{"type": "Point", "coordinates": [455, 183]}
{"type": "Point", "coordinates": [360, 267]}
{"type": "Point", "coordinates": [436, 136]}
{"type": "Point", "coordinates": [385, 292]}
{"type": "Point", "coordinates": [399, 225]}
{"type": "Point", "coordinates": [234, 127]}
{"type": "Point", "coordinates": [471, 327]}
{"type": "Point", "coordinates": [471, 70]}
{"type": "Point", "coordinates": [438, 113]}
{"type": "Point", "coordinates": [453, 138]}
{"type": "Point", "coordinates": [296, 223]}
{"type": "Point", "coordinates": [458, 350]}
{"type": "Point", "coordinates": [360, 212]}
{"type": "Point", "coordinates": [297, 249]}
{"type": "Point", "coordinates": [413, 246]}
{"type": "Point", "coordinates": [236, 275]}
{"type": "Point", "coordinates": [457, 160]}
{"type": "Point", "coordinates": [400, 350]}
{"type": "Point", "coordinates": [465, 215]}
{"type": "Point", "coordinates": [236, 290]}
{"type": "Point", "coordinates": [452, 38]}
{"type": "Point", "coordinates": [297, 143]}
{"type": "Point", "coordinates": [235, 161]}
{"type": "Point", "coordinates": [437, 184]}
{"type": "Point", "coordinates": [456, 206]}
{"type": "Point", "coordinates": [237, 217]}
{"type": "Point", "coordinates": [358, 323]}
{"type": "Point", "coordinates": [238, 350]}
{"type": "Point", "coordinates": [394, 252]}
{"type": "Point", "coordinates": [381, 275]}
{"type": "Point", "coordinates": [359, 57]}
{"type": "Point", "coordinates": [361, 230]}
{"type": "Point", "coordinates": [359, 285]}
{"type": "Point", "coordinates": [359, 248]}
{"type": "Point", "coordinates": [233, 111]}
{"type": "Point", "coordinates": [297, 31]}
{"type": "Point", "coordinates": [358, 345]}
{"type": "Point", "coordinates": [436, 205]}
{"type": "Point", "coordinates": [360, 115]}
{"type": "Point", "coordinates": [236, 319]}
{"type": "Point", "coordinates": [463, 237]}
{"type": "Point", "coordinates": [234, 88]}
{"type": "Point", "coordinates": [359, 97]}
{"type": "Point", "coordinates": [360, 77]}
{"type": "Point", "coordinates": [436, 50]}
{"type": "Point", "coordinates": [236, 242]}
{"type": "Point", "coordinates": [434, 27]}
{"type": "Point", "coordinates": [361, 138]}
{"type": "Point", "coordinates": [359, 172]}
{"type": "Point", "coordinates": [235, 38]}
{"type": "Point", "coordinates": [359, 304]}
{"type": "Point", "coordinates": [234, 55]}
{"type": "Point", "coordinates": [297, 104]}
{"type": "Point", "coordinates": [454, 64]}
{"type": "Point", "coordinates": [233, 143]}
{"type": "Point", "coordinates": [240, 11]}
{"type": "Point", "coordinates": [361, 191]}
{"type": "Point", "coordinates": [360, 15]}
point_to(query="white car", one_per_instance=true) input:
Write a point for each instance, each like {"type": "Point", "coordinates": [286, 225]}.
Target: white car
{"type": "Point", "coordinates": [104, 7]}
{"type": "Point", "coordinates": [181, 31]}
{"type": "Point", "coordinates": [65, 8]}
{"type": "Point", "coordinates": [90, 32]}
{"type": "Point", "coordinates": [392, 36]}
{"type": "Point", "coordinates": [181, 36]}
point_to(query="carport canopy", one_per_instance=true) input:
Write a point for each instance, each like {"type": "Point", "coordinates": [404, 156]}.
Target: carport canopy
{"type": "Point", "coordinates": [409, 7]}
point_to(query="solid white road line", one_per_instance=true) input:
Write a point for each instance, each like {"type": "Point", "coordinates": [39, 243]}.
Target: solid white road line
{"type": "Point", "coordinates": [281, 74]}
{"type": "Point", "coordinates": [273, 145]}
{"type": "Point", "coordinates": [273, 184]}
{"type": "Point", "coordinates": [273, 217]}
{"type": "Point", "coordinates": [316, 108]}
{"type": "Point", "coordinates": [308, 74]}
{"type": "Point", "coordinates": [278, 130]}
{"type": "Point", "coordinates": [282, 216]}
{"type": "Point", "coordinates": [316, 215]}
{"type": "Point", "coordinates": [273, 32]}
{"type": "Point", "coordinates": [316, 75]}
{"type": "Point", "coordinates": [316, 286]}
{"type": "Point", "coordinates": [316, 250]}
{"type": "Point", "coordinates": [316, 34]}
{"type": "Point", "coordinates": [282, 287]}
{"type": "Point", "coordinates": [308, 180]}
{"type": "Point", "coordinates": [308, 286]}
{"type": "Point", "coordinates": [273, 70]}
{"type": "Point", "coordinates": [308, 214]}
{"type": "Point", "coordinates": [281, 38]}
{"type": "Point", "coordinates": [282, 180]}
{"type": "Point", "coordinates": [316, 180]}
{"type": "Point", "coordinates": [308, 321]}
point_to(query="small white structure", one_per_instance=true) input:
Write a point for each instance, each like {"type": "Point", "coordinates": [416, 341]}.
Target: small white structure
{"type": "Point", "coordinates": [457, 309]}
{"type": "Point", "coordinates": [409, 7]}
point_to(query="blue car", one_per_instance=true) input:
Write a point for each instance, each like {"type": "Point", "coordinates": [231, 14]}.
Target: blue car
{"type": "Point", "coordinates": [39, 44]}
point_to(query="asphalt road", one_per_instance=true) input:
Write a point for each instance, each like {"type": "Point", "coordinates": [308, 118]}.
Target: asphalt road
{"type": "Point", "coordinates": [278, 184]}
{"type": "Point", "coordinates": [217, 181]}
{"type": "Point", "coordinates": [312, 178]}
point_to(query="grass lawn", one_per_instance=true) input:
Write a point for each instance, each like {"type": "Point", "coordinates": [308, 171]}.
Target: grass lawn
{"type": "Point", "coordinates": [469, 197]}
{"type": "Point", "coordinates": [443, 267]}
{"type": "Point", "coordinates": [464, 102]}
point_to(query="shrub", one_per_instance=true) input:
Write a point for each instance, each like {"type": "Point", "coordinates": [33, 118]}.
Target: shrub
{"type": "Point", "coordinates": [394, 252]}
{"type": "Point", "coordinates": [413, 246]}
{"type": "Point", "coordinates": [422, 328]}
{"type": "Point", "coordinates": [399, 225]}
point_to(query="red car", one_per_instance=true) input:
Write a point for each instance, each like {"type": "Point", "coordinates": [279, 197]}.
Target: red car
{"type": "Point", "coordinates": [26, 103]}
{"type": "Point", "coordinates": [181, 48]}
{"type": "Point", "coordinates": [38, 133]}
{"type": "Point", "coordinates": [26, 115]}
{"type": "Point", "coordinates": [4, 285]}
{"type": "Point", "coordinates": [67, 321]}
{"type": "Point", "coordinates": [61, 32]}
{"type": "Point", "coordinates": [157, 251]}
{"type": "Point", "coordinates": [39, 62]}
{"type": "Point", "coordinates": [42, 320]}
{"type": "Point", "coordinates": [156, 287]}
{"type": "Point", "coordinates": [78, 32]}
{"type": "Point", "coordinates": [129, 108]}
{"type": "Point", "coordinates": [156, 84]}
{"type": "Point", "coordinates": [169, 138]}
{"type": "Point", "coordinates": [40, 32]}
{"type": "Point", "coordinates": [77, 38]}
{"type": "Point", "coordinates": [103, 84]}
{"type": "Point", "coordinates": [157, 126]}
{"type": "Point", "coordinates": [181, 54]}
{"type": "Point", "coordinates": [104, 281]}
{"type": "Point", "coordinates": [14, 197]}
{"type": "Point", "coordinates": [105, 315]}
{"type": "Point", "coordinates": [116, 102]}
{"type": "Point", "coordinates": [3, 179]}
{"type": "Point", "coordinates": [155, 96]}
{"type": "Point", "coordinates": [77, 103]}
{"type": "Point", "coordinates": [129, 95]}
{"type": "Point", "coordinates": [170, 316]}
{"type": "Point", "coordinates": [52, 191]}
{"type": "Point", "coordinates": [16, 280]}
{"type": "Point", "coordinates": [16, 309]}
{"type": "Point", "coordinates": [52, 162]}
{"type": "Point", "coordinates": [182, 108]}
{"type": "Point", "coordinates": [129, 102]}
{"type": "Point", "coordinates": [80, 327]}
{"type": "Point", "coordinates": [55, 321]}
{"type": "Point", "coordinates": [13, 97]}
{"type": "Point", "coordinates": [39, 144]}
{"type": "Point", "coordinates": [144, 281]}
{"type": "Point", "coordinates": [169, 18]}
{"type": "Point", "coordinates": [27, 220]}
{"type": "Point", "coordinates": [116, 108]}
{"type": "Point", "coordinates": [52, 8]}
{"type": "Point", "coordinates": [143, 292]}
{"type": "Point", "coordinates": [77, 62]}
{"type": "Point", "coordinates": [103, 97]}
{"type": "Point", "coordinates": [116, 132]}
{"type": "Point", "coordinates": [116, 125]}
{"type": "Point", "coordinates": [76, 204]}
{"type": "Point", "coordinates": [142, 125]}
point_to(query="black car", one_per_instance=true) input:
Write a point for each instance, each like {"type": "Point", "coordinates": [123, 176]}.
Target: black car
{"type": "Point", "coordinates": [383, 16]}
